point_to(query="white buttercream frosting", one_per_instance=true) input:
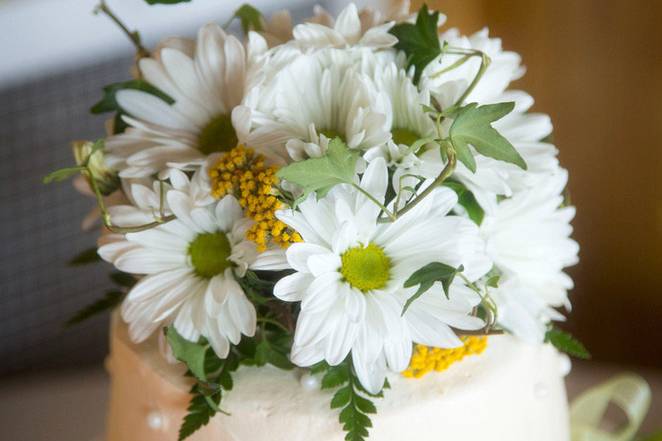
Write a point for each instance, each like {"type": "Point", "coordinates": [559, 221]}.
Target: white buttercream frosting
{"type": "Point", "coordinates": [512, 392]}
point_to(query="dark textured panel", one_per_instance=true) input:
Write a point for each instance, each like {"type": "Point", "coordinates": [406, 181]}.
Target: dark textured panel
{"type": "Point", "coordinates": [39, 225]}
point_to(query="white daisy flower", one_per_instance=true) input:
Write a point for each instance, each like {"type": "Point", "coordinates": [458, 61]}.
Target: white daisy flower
{"type": "Point", "coordinates": [350, 272]}
{"type": "Point", "coordinates": [189, 267]}
{"type": "Point", "coordinates": [528, 238]}
{"type": "Point", "coordinates": [520, 311]}
{"type": "Point", "coordinates": [345, 31]}
{"type": "Point", "coordinates": [402, 104]}
{"type": "Point", "coordinates": [313, 99]}
{"type": "Point", "coordinates": [206, 86]}
{"type": "Point", "coordinates": [145, 197]}
{"type": "Point", "coordinates": [524, 130]}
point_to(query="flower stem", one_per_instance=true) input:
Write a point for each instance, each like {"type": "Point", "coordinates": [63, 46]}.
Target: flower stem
{"type": "Point", "coordinates": [466, 55]}
{"type": "Point", "coordinates": [105, 215]}
{"type": "Point", "coordinates": [373, 199]}
{"type": "Point", "coordinates": [445, 174]}
{"type": "Point", "coordinates": [266, 320]}
{"type": "Point", "coordinates": [134, 36]}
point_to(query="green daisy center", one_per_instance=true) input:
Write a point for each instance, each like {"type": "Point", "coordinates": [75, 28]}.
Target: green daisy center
{"type": "Point", "coordinates": [404, 136]}
{"type": "Point", "coordinates": [217, 136]}
{"type": "Point", "coordinates": [330, 133]}
{"type": "Point", "coordinates": [209, 254]}
{"type": "Point", "coordinates": [366, 268]}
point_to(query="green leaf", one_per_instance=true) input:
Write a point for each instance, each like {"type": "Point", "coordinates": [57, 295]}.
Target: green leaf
{"type": "Point", "coordinates": [166, 2]}
{"type": "Point", "coordinates": [355, 406]}
{"type": "Point", "coordinates": [199, 412]}
{"type": "Point", "coordinates": [364, 405]}
{"type": "Point", "coordinates": [191, 353]}
{"type": "Point", "coordinates": [465, 156]}
{"type": "Point", "coordinates": [321, 174]}
{"type": "Point", "coordinates": [109, 103]}
{"type": "Point", "coordinates": [108, 302]}
{"type": "Point", "coordinates": [493, 282]}
{"type": "Point", "coordinates": [420, 41]}
{"type": "Point", "coordinates": [85, 257]}
{"type": "Point", "coordinates": [251, 18]}
{"type": "Point", "coordinates": [467, 200]}
{"type": "Point", "coordinates": [318, 368]}
{"type": "Point", "coordinates": [427, 276]}
{"type": "Point", "coordinates": [266, 353]}
{"type": "Point", "coordinates": [335, 376]}
{"type": "Point", "coordinates": [565, 342]}
{"type": "Point", "coordinates": [62, 174]}
{"type": "Point", "coordinates": [472, 126]}
{"type": "Point", "coordinates": [341, 398]}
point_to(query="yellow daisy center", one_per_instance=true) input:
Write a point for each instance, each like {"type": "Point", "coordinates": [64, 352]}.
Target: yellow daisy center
{"type": "Point", "coordinates": [404, 136]}
{"type": "Point", "coordinates": [209, 254]}
{"type": "Point", "coordinates": [217, 136]}
{"type": "Point", "coordinates": [366, 268]}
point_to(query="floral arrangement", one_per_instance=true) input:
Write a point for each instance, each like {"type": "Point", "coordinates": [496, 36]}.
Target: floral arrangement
{"type": "Point", "coordinates": [356, 196]}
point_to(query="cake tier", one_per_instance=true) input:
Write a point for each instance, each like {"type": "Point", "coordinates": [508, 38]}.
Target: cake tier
{"type": "Point", "coordinates": [511, 392]}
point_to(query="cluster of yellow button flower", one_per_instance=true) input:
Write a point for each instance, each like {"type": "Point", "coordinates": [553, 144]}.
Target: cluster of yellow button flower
{"type": "Point", "coordinates": [426, 359]}
{"type": "Point", "coordinates": [244, 174]}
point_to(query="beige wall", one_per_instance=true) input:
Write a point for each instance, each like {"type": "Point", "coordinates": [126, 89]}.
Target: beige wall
{"type": "Point", "coordinates": [596, 67]}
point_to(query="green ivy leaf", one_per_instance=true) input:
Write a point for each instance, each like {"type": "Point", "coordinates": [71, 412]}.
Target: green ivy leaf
{"type": "Point", "coordinates": [321, 174]}
{"type": "Point", "coordinates": [85, 257]}
{"type": "Point", "coordinates": [201, 409]}
{"type": "Point", "coordinates": [166, 2]}
{"type": "Point", "coordinates": [250, 18]}
{"type": "Point", "coordinates": [191, 353]}
{"type": "Point", "coordinates": [419, 41]}
{"type": "Point", "coordinates": [108, 302]}
{"type": "Point", "coordinates": [472, 126]}
{"type": "Point", "coordinates": [493, 282]}
{"type": "Point", "coordinates": [467, 200]}
{"type": "Point", "coordinates": [109, 103]}
{"type": "Point", "coordinates": [565, 342]}
{"type": "Point", "coordinates": [427, 276]}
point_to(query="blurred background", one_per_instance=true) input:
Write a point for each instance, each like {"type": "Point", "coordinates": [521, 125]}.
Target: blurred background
{"type": "Point", "coordinates": [594, 65]}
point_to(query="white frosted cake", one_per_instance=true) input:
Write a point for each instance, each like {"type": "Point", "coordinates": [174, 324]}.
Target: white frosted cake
{"type": "Point", "coordinates": [511, 392]}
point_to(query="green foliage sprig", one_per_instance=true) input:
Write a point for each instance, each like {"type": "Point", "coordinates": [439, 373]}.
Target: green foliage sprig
{"type": "Point", "coordinates": [213, 376]}
{"type": "Point", "coordinates": [427, 276]}
{"type": "Point", "coordinates": [106, 303]}
{"type": "Point", "coordinates": [565, 342]}
{"type": "Point", "coordinates": [251, 19]}
{"type": "Point", "coordinates": [319, 175]}
{"type": "Point", "coordinates": [419, 41]}
{"type": "Point", "coordinates": [111, 299]}
{"type": "Point", "coordinates": [467, 200]}
{"type": "Point", "coordinates": [472, 126]}
{"type": "Point", "coordinates": [353, 400]}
